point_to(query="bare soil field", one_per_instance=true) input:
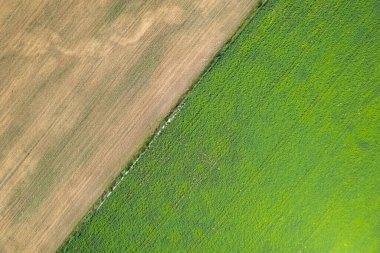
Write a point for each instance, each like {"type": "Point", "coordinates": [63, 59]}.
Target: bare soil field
{"type": "Point", "coordinates": [82, 85]}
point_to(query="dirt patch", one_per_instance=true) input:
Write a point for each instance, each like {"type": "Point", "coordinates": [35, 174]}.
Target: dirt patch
{"type": "Point", "coordinates": [82, 87]}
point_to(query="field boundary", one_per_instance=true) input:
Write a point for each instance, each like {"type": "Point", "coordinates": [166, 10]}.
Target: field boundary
{"type": "Point", "coordinates": [157, 132]}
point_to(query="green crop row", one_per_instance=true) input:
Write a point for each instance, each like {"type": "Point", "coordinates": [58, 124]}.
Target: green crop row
{"type": "Point", "coordinates": [277, 149]}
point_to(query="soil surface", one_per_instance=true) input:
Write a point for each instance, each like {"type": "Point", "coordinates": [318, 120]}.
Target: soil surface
{"type": "Point", "coordinates": [81, 88]}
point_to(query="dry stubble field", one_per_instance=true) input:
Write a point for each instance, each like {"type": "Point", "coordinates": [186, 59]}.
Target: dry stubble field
{"type": "Point", "coordinates": [82, 84]}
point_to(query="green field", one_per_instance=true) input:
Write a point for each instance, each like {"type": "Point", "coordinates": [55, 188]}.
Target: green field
{"type": "Point", "coordinates": [277, 148]}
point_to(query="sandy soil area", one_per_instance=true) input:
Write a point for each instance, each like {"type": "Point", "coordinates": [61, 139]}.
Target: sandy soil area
{"type": "Point", "coordinates": [82, 85]}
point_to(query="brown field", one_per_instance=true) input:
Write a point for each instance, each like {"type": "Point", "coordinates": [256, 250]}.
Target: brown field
{"type": "Point", "coordinates": [82, 85]}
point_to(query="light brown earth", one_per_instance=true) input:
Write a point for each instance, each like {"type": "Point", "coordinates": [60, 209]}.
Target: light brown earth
{"type": "Point", "coordinates": [82, 84]}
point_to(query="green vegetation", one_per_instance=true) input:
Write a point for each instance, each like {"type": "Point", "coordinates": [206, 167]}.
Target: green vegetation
{"type": "Point", "coordinates": [275, 150]}
{"type": "Point", "coordinates": [116, 9]}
